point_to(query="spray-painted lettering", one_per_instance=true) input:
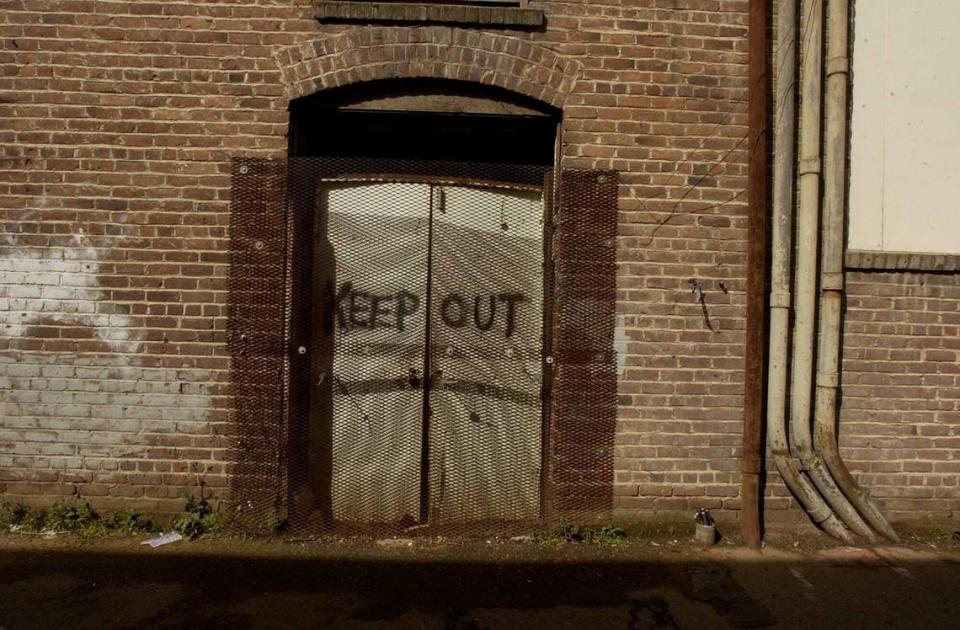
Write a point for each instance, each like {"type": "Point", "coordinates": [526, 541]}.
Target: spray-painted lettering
{"type": "Point", "coordinates": [352, 309]}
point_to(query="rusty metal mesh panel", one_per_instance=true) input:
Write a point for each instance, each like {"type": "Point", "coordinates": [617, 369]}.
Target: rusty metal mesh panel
{"type": "Point", "coordinates": [416, 349]}
{"type": "Point", "coordinates": [584, 392]}
{"type": "Point", "coordinates": [256, 339]}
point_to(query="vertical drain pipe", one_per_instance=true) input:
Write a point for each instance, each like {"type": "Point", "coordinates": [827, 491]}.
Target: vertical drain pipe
{"type": "Point", "coordinates": [751, 454]}
{"type": "Point", "coordinates": [801, 391]}
{"type": "Point", "coordinates": [784, 116]}
{"type": "Point", "coordinates": [831, 269]}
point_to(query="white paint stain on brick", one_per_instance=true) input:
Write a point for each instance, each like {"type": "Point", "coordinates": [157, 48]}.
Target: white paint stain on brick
{"type": "Point", "coordinates": [59, 285]}
{"type": "Point", "coordinates": [81, 413]}
{"type": "Point", "coordinates": [620, 344]}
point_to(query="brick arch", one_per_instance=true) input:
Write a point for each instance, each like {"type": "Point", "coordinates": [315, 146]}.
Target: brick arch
{"type": "Point", "coordinates": [373, 53]}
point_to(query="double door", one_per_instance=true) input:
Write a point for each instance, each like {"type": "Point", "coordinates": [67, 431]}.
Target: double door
{"type": "Point", "coordinates": [427, 370]}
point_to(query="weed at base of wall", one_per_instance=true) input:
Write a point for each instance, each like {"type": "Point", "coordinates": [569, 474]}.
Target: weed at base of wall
{"type": "Point", "coordinates": [78, 518]}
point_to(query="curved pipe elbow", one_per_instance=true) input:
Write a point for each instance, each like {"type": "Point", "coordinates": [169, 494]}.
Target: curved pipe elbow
{"type": "Point", "coordinates": [812, 503]}
{"type": "Point", "coordinates": [827, 448]}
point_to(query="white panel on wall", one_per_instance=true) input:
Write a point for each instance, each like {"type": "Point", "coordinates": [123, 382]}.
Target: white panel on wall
{"type": "Point", "coordinates": [905, 143]}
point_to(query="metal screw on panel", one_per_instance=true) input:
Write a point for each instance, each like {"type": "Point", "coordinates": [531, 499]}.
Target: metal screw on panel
{"type": "Point", "coordinates": [302, 350]}
{"type": "Point", "coordinates": [601, 178]}
{"type": "Point", "coordinates": [244, 169]}
{"type": "Point", "coordinates": [549, 360]}
{"type": "Point", "coordinates": [258, 245]}
{"type": "Point", "coordinates": [243, 336]}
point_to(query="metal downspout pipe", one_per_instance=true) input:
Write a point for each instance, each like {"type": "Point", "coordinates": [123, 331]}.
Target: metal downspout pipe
{"type": "Point", "coordinates": [751, 454]}
{"type": "Point", "coordinates": [780, 263]}
{"type": "Point", "coordinates": [831, 268]}
{"type": "Point", "coordinates": [808, 218]}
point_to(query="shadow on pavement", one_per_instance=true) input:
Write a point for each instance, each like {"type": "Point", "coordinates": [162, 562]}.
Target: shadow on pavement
{"type": "Point", "coordinates": [81, 587]}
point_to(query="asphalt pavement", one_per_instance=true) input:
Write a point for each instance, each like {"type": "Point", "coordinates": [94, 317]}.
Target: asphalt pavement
{"type": "Point", "coordinates": [231, 583]}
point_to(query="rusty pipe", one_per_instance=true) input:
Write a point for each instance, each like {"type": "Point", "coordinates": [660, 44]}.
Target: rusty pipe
{"type": "Point", "coordinates": [751, 453]}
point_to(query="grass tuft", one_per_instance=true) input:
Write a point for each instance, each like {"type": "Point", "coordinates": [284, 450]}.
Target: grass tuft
{"type": "Point", "coordinates": [199, 518]}
{"type": "Point", "coordinates": [571, 533]}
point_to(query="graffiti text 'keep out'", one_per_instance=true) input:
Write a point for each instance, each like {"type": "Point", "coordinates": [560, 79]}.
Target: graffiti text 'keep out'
{"type": "Point", "coordinates": [363, 310]}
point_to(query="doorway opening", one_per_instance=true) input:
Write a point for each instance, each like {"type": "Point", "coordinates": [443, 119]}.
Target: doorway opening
{"type": "Point", "coordinates": [421, 295]}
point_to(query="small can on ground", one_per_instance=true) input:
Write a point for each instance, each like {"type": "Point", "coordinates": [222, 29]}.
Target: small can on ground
{"type": "Point", "coordinates": [706, 529]}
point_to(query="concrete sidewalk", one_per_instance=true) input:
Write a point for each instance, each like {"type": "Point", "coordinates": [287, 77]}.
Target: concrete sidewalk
{"type": "Point", "coordinates": [116, 583]}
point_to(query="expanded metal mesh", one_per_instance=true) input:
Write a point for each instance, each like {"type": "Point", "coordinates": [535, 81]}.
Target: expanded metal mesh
{"type": "Point", "coordinates": [420, 347]}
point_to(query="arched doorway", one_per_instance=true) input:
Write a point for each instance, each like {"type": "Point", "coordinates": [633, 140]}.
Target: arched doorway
{"type": "Point", "coordinates": [419, 295]}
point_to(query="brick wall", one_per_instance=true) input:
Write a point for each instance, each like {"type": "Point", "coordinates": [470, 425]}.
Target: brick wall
{"type": "Point", "coordinates": [117, 124]}
{"type": "Point", "coordinates": [117, 121]}
{"type": "Point", "coordinates": [900, 420]}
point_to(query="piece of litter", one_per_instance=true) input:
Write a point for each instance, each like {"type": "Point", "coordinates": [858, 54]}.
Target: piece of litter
{"type": "Point", "coordinates": [904, 572]}
{"type": "Point", "coordinates": [395, 542]}
{"type": "Point", "coordinates": [163, 539]}
{"type": "Point", "coordinates": [801, 578]}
